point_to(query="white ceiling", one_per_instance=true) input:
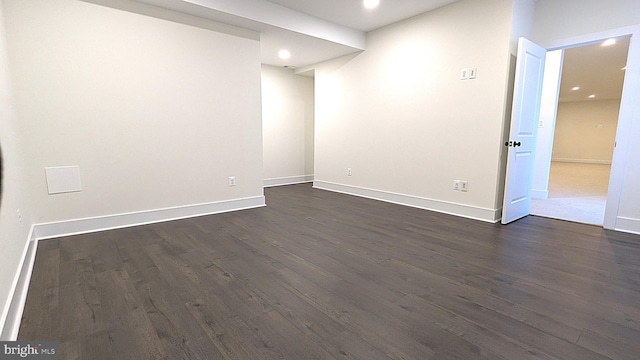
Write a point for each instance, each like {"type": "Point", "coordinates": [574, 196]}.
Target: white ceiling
{"type": "Point", "coordinates": [596, 69]}
{"type": "Point", "coordinates": [351, 13]}
{"type": "Point", "coordinates": [312, 30]}
{"type": "Point", "coordinates": [319, 30]}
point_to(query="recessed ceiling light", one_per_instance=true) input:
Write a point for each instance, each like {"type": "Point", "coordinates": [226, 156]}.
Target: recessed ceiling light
{"type": "Point", "coordinates": [284, 54]}
{"type": "Point", "coordinates": [609, 42]}
{"type": "Point", "coordinates": [575, 88]}
{"type": "Point", "coordinates": [592, 96]}
{"type": "Point", "coordinates": [371, 4]}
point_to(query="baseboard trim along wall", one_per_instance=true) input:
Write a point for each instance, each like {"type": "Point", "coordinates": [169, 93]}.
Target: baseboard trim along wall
{"type": "Point", "coordinates": [539, 194]}
{"type": "Point", "coordinates": [288, 180]}
{"type": "Point", "coordinates": [628, 225]}
{"type": "Point", "coordinates": [10, 320]}
{"type": "Point", "coordinates": [102, 223]}
{"type": "Point", "coordinates": [583, 161]}
{"type": "Point", "coordinates": [467, 211]}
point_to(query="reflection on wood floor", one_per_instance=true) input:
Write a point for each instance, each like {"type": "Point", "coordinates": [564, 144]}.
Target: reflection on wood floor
{"type": "Point", "coordinates": [320, 275]}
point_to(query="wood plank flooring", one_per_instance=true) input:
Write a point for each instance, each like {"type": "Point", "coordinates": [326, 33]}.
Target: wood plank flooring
{"type": "Point", "coordinates": [320, 275]}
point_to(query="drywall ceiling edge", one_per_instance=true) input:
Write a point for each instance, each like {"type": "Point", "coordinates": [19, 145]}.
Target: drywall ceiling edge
{"type": "Point", "coordinates": [272, 14]}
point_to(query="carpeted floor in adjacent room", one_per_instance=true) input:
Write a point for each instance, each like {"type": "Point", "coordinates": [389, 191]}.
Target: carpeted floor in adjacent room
{"type": "Point", "coordinates": [577, 192]}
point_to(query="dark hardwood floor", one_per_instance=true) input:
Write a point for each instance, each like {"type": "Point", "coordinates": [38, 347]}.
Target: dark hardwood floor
{"type": "Point", "coordinates": [320, 275]}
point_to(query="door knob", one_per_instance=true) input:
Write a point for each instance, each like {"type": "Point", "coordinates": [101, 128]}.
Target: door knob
{"type": "Point", "coordinates": [512, 143]}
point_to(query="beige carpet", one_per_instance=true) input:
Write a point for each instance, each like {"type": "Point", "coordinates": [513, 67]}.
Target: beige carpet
{"type": "Point", "coordinates": [577, 192]}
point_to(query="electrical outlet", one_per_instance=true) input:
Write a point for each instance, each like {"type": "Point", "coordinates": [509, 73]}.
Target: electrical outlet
{"type": "Point", "coordinates": [464, 186]}
{"type": "Point", "coordinates": [19, 215]}
{"type": "Point", "coordinates": [232, 181]}
{"type": "Point", "coordinates": [456, 185]}
{"type": "Point", "coordinates": [348, 171]}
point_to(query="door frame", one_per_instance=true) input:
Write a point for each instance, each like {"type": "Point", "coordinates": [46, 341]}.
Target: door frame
{"type": "Point", "coordinates": [630, 91]}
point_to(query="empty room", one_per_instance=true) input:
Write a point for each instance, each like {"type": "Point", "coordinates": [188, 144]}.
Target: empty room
{"type": "Point", "coordinates": [253, 179]}
{"type": "Point", "coordinates": [583, 135]}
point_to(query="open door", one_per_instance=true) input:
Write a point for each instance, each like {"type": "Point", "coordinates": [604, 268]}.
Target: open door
{"type": "Point", "coordinates": [524, 127]}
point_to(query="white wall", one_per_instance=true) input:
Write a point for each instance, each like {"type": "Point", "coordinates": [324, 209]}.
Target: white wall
{"type": "Point", "coordinates": [521, 22]}
{"type": "Point", "coordinates": [156, 114]}
{"type": "Point", "coordinates": [287, 122]}
{"type": "Point", "coordinates": [547, 124]}
{"type": "Point", "coordinates": [590, 21]}
{"type": "Point", "coordinates": [586, 131]}
{"type": "Point", "coordinates": [13, 233]}
{"type": "Point", "coordinates": [399, 116]}
{"type": "Point", "coordinates": [568, 18]}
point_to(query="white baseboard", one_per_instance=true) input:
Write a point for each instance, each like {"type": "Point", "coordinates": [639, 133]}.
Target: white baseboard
{"type": "Point", "coordinates": [539, 194]}
{"type": "Point", "coordinates": [467, 211]}
{"type": "Point", "coordinates": [289, 180]}
{"type": "Point", "coordinates": [101, 223]}
{"type": "Point", "coordinates": [582, 161]}
{"type": "Point", "coordinates": [10, 321]}
{"type": "Point", "coordinates": [628, 225]}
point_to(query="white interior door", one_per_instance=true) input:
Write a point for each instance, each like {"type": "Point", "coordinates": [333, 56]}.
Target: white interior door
{"type": "Point", "coordinates": [524, 126]}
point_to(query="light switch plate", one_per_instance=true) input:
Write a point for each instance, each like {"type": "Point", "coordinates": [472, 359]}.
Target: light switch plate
{"type": "Point", "coordinates": [472, 73]}
{"type": "Point", "coordinates": [464, 74]}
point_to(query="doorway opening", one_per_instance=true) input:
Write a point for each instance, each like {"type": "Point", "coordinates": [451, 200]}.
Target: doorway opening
{"type": "Point", "coordinates": [575, 178]}
{"type": "Point", "coordinates": [288, 107]}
